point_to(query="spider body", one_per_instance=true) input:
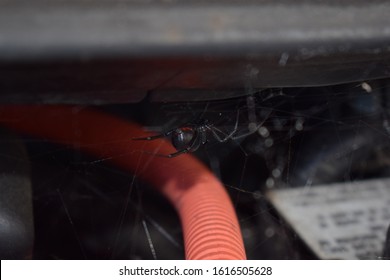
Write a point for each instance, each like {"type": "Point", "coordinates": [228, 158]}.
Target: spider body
{"type": "Point", "coordinates": [189, 137]}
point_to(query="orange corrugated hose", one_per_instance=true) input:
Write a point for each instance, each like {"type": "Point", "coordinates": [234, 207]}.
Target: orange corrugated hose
{"type": "Point", "coordinates": [210, 226]}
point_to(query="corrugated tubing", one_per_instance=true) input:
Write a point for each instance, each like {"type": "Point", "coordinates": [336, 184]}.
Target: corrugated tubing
{"type": "Point", "coordinates": [209, 222]}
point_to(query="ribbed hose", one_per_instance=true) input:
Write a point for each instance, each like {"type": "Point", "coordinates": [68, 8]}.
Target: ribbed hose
{"type": "Point", "coordinates": [210, 226]}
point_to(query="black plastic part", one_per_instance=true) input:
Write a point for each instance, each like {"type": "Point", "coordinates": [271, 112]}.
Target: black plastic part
{"type": "Point", "coordinates": [16, 215]}
{"type": "Point", "coordinates": [351, 151]}
{"type": "Point", "coordinates": [353, 156]}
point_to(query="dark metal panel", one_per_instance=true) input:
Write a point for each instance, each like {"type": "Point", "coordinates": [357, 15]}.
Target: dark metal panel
{"type": "Point", "coordinates": [90, 28]}
{"type": "Point", "coordinates": [118, 51]}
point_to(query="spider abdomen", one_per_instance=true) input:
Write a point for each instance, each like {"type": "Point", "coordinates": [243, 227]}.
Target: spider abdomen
{"type": "Point", "coordinates": [183, 137]}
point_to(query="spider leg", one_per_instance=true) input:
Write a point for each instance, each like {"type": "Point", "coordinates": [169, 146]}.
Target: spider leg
{"type": "Point", "coordinates": [254, 130]}
{"type": "Point", "coordinates": [153, 137]}
{"type": "Point", "coordinates": [213, 130]}
{"type": "Point", "coordinates": [170, 155]}
{"type": "Point", "coordinates": [231, 136]}
{"type": "Point", "coordinates": [175, 154]}
{"type": "Point", "coordinates": [184, 151]}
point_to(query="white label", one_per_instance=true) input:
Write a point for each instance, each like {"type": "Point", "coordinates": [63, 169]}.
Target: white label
{"type": "Point", "coordinates": [339, 221]}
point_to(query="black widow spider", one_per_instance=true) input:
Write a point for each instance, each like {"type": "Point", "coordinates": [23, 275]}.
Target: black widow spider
{"type": "Point", "coordinates": [189, 137]}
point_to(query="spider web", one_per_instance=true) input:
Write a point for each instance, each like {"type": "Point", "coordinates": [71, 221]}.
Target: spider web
{"type": "Point", "coordinates": [85, 208]}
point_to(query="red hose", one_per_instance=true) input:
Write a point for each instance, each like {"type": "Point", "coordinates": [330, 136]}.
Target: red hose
{"type": "Point", "coordinates": [210, 226]}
